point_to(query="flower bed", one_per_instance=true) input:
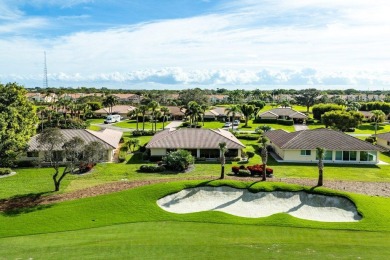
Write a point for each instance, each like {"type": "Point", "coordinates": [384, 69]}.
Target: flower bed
{"type": "Point", "coordinates": [256, 169]}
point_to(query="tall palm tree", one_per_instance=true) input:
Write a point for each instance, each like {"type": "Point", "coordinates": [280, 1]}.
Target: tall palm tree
{"type": "Point", "coordinates": [134, 113]}
{"type": "Point", "coordinates": [247, 111]}
{"type": "Point", "coordinates": [320, 155]}
{"type": "Point", "coordinates": [203, 109]}
{"type": "Point", "coordinates": [165, 112]}
{"type": "Point", "coordinates": [222, 149]}
{"type": "Point", "coordinates": [379, 116]}
{"type": "Point", "coordinates": [110, 101]}
{"type": "Point", "coordinates": [143, 109]}
{"type": "Point", "coordinates": [264, 155]}
{"type": "Point", "coordinates": [232, 110]}
{"type": "Point", "coordinates": [153, 105]}
{"type": "Point", "coordinates": [192, 110]}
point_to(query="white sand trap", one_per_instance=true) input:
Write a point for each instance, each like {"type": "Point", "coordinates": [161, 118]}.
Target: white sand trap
{"type": "Point", "coordinates": [243, 203]}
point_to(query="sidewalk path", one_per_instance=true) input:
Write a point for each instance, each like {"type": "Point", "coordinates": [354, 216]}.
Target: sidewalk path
{"type": "Point", "coordinates": [174, 124]}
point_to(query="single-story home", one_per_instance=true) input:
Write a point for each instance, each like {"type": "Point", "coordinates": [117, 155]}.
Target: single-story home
{"type": "Point", "coordinates": [383, 140]}
{"type": "Point", "coordinates": [108, 137]}
{"type": "Point", "coordinates": [132, 98]}
{"type": "Point", "coordinates": [121, 110]}
{"type": "Point", "coordinates": [175, 113]}
{"type": "Point", "coordinates": [220, 114]}
{"type": "Point", "coordinates": [283, 113]}
{"type": "Point", "coordinates": [301, 146]}
{"type": "Point", "coordinates": [202, 143]}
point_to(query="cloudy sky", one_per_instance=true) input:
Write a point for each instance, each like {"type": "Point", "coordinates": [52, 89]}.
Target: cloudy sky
{"type": "Point", "coordinates": [190, 43]}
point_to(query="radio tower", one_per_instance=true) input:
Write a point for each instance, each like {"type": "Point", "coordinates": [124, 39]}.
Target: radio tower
{"type": "Point", "coordinates": [45, 84]}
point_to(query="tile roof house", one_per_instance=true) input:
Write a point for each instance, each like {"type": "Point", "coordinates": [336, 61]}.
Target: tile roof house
{"type": "Point", "coordinates": [108, 137]}
{"type": "Point", "coordinates": [220, 113]}
{"type": "Point", "coordinates": [383, 140]}
{"type": "Point", "coordinates": [283, 113]}
{"type": "Point", "coordinates": [175, 112]}
{"type": "Point", "coordinates": [132, 98]}
{"type": "Point", "coordinates": [203, 143]}
{"type": "Point", "coordinates": [122, 110]}
{"type": "Point", "coordinates": [301, 146]}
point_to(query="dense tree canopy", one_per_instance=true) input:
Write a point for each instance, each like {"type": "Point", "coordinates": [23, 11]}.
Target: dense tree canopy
{"type": "Point", "coordinates": [18, 122]}
{"type": "Point", "coordinates": [342, 120]}
{"type": "Point", "coordinates": [198, 95]}
{"type": "Point", "coordinates": [308, 97]}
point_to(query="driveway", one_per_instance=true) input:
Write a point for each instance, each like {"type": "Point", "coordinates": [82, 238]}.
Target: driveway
{"type": "Point", "coordinates": [174, 124]}
{"type": "Point", "coordinates": [300, 127]}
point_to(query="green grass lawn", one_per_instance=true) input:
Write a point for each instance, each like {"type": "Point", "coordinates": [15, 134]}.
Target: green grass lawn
{"type": "Point", "coordinates": [132, 124]}
{"type": "Point", "coordinates": [368, 128]}
{"type": "Point", "coordinates": [129, 224]}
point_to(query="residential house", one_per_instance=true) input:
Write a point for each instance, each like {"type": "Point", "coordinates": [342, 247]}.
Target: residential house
{"type": "Point", "coordinates": [122, 110]}
{"type": "Point", "coordinates": [130, 98]}
{"type": "Point", "coordinates": [283, 113]}
{"type": "Point", "coordinates": [108, 137]}
{"type": "Point", "coordinates": [175, 113]}
{"type": "Point", "coordinates": [221, 114]}
{"type": "Point", "coordinates": [216, 99]}
{"type": "Point", "coordinates": [202, 143]}
{"type": "Point", "coordinates": [301, 146]}
{"type": "Point", "coordinates": [39, 97]}
{"type": "Point", "coordinates": [383, 140]}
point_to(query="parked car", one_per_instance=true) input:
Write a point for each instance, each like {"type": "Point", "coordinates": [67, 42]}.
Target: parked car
{"type": "Point", "coordinates": [227, 124]}
{"type": "Point", "coordinates": [112, 119]}
{"type": "Point", "coordinates": [236, 122]}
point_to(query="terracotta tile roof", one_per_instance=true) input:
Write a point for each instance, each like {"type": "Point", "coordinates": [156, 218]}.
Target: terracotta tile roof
{"type": "Point", "coordinates": [322, 137]}
{"type": "Point", "coordinates": [110, 139]}
{"type": "Point", "coordinates": [119, 109]}
{"type": "Point", "coordinates": [191, 138]}
{"type": "Point", "coordinates": [384, 136]}
{"type": "Point", "coordinates": [175, 110]}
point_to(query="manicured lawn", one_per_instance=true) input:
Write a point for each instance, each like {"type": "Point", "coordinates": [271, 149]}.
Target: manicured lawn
{"type": "Point", "coordinates": [129, 224]}
{"type": "Point", "coordinates": [96, 121]}
{"type": "Point", "coordinates": [132, 124]}
{"type": "Point", "coordinates": [172, 240]}
{"type": "Point", "coordinates": [368, 128]}
{"type": "Point", "coordinates": [251, 126]}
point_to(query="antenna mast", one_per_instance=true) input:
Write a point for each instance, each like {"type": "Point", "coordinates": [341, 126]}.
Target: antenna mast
{"type": "Point", "coordinates": [45, 84]}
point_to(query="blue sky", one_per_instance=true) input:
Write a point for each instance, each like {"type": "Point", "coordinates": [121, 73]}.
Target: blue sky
{"type": "Point", "coordinates": [191, 43]}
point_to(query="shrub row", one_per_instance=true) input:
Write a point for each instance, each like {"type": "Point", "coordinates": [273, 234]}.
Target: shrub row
{"type": "Point", "coordinates": [247, 136]}
{"type": "Point", "coordinates": [256, 169]}
{"type": "Point", "coordinates": [151, 168]}
{"type": "Point", "coordinates": [5, 171]}
{"type": "Point", "coordinates": [275, 121]}
{"type": "Point", "coordinates": [143, 133]}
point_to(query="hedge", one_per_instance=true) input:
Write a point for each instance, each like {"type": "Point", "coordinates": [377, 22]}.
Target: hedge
{"type": "Point", "coordinates": [5, 171]}
{"type": "Point", "coordinates": [275, 121]}
{"type": "Point", "coordinates": [151, 168]}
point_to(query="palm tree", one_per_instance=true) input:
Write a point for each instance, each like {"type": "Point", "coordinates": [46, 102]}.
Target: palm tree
{"type": "Point", "coordinates": [41, 114]}
{"type": "Point", "coordinates": [233, 110]}
{"type": "Point", "coordinates": [192, 110]}
{"type": "Point", "coordinates": [143, 109]}
{"type": "Point", "coordinates": [135, 112]}
{"type": "Point", "coordinates": [320, 155]}
{"type": "Point", "coordinates": [379, 116]}
{"type": "Point", "coordinates": [203, 109]}
{"type": "Point", "coordinates": [165, 112]}
{"type": "Point", "coordinates": [222, 149]}
{"type": "Point", "coordinates": [247, 111]}
{"type": "Point", "coordinates": [264, 155]}
{"type": "Point", "coordinates": [153, 106]}
{"type": "Point", "coordinates": [109, 102]}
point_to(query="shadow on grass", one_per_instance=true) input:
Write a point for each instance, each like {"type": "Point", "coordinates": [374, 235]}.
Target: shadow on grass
{"type": "Point", "coordinates": [21, 204]}
{"type": "Point", "coordinates": [370, 127]}
{"type": "Point", "coordinates": [136, 158]}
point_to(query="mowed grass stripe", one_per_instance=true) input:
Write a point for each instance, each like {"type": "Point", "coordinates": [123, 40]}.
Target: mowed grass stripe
{"type": "Point", "coordinates": [175, 240]}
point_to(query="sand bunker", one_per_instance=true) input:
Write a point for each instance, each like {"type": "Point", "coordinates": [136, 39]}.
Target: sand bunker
{"type": "Point", "coordinates": [243, 203]}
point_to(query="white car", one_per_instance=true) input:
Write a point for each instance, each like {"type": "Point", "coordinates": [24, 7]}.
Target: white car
{"type": "Point", "coordinates": [236, 122]}
{"type": "Point", "coordinates": [227, 124]}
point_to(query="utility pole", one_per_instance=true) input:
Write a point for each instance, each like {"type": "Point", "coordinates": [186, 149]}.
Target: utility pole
{"type": "Point", "coordinates": [45, 83]}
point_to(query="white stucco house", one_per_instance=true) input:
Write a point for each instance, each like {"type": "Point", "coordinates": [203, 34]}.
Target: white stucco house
{"type": "Point", "coordinates": [383, 140]}
{"type": "Point", "coordinates": [108, 137]}
{"type": "Point", "coordinates": [202, 143]}
{"type": "Point", "coordinates": [301, 147]}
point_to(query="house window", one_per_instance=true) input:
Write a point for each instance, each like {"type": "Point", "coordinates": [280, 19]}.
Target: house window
{"type": "Point", "coordinates": [305, 152]}
{"type": "Point", "coordinates": [327, 156]}
{"type": "Point", "coordinates": [209, 153]}
{"type": "Point", "coordinates": [349, 155]}
{"type": "Point", "coordinates": [231, 153]}
{"type": "Point", "coordinates": [193, 152]}
{"type": "Point", "coordinates": [367, 156]}
{"type": "Point", "coordinates": [339, 155]}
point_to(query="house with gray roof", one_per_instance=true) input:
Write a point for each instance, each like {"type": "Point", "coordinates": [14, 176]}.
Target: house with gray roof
{"type": "Point", "coordinates": [301, 146]}
{"type": "Point", "coordinates": [283, 113]}
{"type": "Point", "coordinates": [108, 138]}
{"type": "Point", "coordinates": [202, 143]}
{"type": "Point", "coordinates": [383, 140]}
{"type": "Point", "coordinates": [121, 110]}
